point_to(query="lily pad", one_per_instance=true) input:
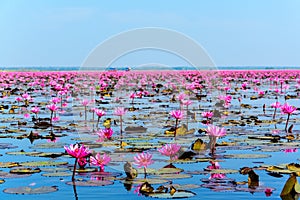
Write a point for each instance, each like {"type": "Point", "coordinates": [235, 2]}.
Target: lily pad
{"type": "Point", "coordinates": [22, 152]}
{"type": "Point", "coordinates": [174, 176]}
{"type": "Point", "coordinates": [31, 190]}
{"type": "Point", "coordinates": [25, 170]}
{"type": "Point", "coordinates": [142, 180]}
{"type": "Point", "coordinates": [160, 171]}
{"type": "Point", "coordinates": [177, 195]}
{"type": "Point", "coordinates": [48, 154]}
{"type": "Point", "coordinates": [90, 183]}
{"type": "Point", "coordinates": [86, 170]}
{"type": "Point", "coordinates": [8, 164]}
{"type": "Point", "coordinates": [57, 174]}
{"type": "Point", "coordinates": [9, 175]}
{"type": "Point", "coordinates": [48, 145]}
{"type": "Point", "coordinates": [246, 156]}
{"type": "Point", "coordinates": [43, 163]}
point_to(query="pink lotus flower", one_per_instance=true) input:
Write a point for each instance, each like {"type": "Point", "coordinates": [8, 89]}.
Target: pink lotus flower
{"type": "Point", "coordinates": [207, 114]}
{"type": "Point", "coordinates": [291, 150]}
{"type": "Point", "coordinates": [105, 133]}
{"type": "Point", "coordinates": [77, 151]}
{"type": "Point", "coordinates": [18, 99]}
{"type": "Point", "coordinates": [170, 150]}
{"type": "Point", "coordinates": [132, 95]}
{"type": "Point", "coordinates": [261, 93]}
{"type": "Point", "coordinates": [186, 102]}
{"type": "Point", "coordinates": [85, 102]}
{"type": "Point", "coordinates": [177, 114]}
{"type": "Point", "coordinates": [52, 107]}
{"type": "Point", "coordinates": [100, 161]}
{"type": "Point", "coordinates": [268, 192]}
{"type": "Point", "coordinates": [26, 96]}
{"type": "Point", "coordinates": [26, 115]}
{"type": "Point", "coordinates": [35, 110]}
{"type": "Point", "coordinates": [215, 131]}
{"type": "Point", "coordinates": [99, 112]}
{"type": "Point", "coordinates": [214, 165]}
{"type": "Point", "coordinates": [244, 85]}
{"type": "Point", "coordinates": [143, 160]}
{"type": "Point", "coordinates": [287, 109]}
{"type": "Point", "coordinates": [275, 105]}
{"type": "Point", "coordinates": [55, 100]}
{"type": "Point", "coordinates": [120, 111]}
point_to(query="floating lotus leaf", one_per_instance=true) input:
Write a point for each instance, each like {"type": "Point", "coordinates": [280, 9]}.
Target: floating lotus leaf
{"type": "Point", "coordinates": [57, 174]}
{"type": "Point", "coordinates": [217, 180]}
{"type": "Point", "coordinates": [264, 137]}
{"type": "Point", "coordinates": [246, 156]}
{"type": "Point", "coordinates": [9, 175]}
{"type": "Point", "coordinates": [174, 176]}
{"type": "Point", "coordinates": [48, 145]}
{"type": "Point", "coordinates": [105, 174]}
{"type": "Point", "coordinates": [219, 185]}
{"type": "Point", "coordinates": [142, 180]}
{"type": "Point", "coordinates": [236, 147]}
{"type": "Point", "coordinates": [184, 161]}
{"type": "Point", "coordinates": [54, 169]}
{"type": "Point", "coordinates": [197, 172]}
{"type": "Point", "coordinates": [85, 139]}
{"type": "Point", "coordinates": [48, 154]}
{"type": "Point", "coordinates": [160, 171]}
{"type": "Point", "coordinates": [31, 190]}
{"type": "Point", "coordinates": [277, 169]}
{"type": "Point", "coordinates": [177, 195]}
{"type": "Point", "coordinates": [8, 164]}
{"type": "Point", "coordinates": [25, 170]}
{"type": "Point", "coordinates": [90, 183]}
{"type": "Point", "coordinates": [86, 170]}
{"type": "Point", "coordinates": [22, 152]}
{"type": "Point", "coordinates": [43, 163]}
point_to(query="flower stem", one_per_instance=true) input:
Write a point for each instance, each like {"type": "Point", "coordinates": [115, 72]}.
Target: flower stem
{"type": "Point", "coordinates": [274, 115]}
{"type": "Point", "coordinates": [74, 170]}
{"type": "Point", "coordinates": [85, 114]}
{"type": "Point", "coordinates": [176, 123]}
{"type": "Point", "coordinates": [121, 127]}
{"type": "Point", "coordinates": [51, 117]}
{"type": "Point", "coordinates": [287, 122]}
{"type": "Point", "coordinates": [145, 172]}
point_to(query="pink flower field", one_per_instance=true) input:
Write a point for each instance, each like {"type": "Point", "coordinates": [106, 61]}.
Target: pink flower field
{"type": "Point", "coordinates": [174, 134]}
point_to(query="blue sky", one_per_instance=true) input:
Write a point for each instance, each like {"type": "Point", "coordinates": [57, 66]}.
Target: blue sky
{"type": "Point", "coordinates": [233, 32]}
